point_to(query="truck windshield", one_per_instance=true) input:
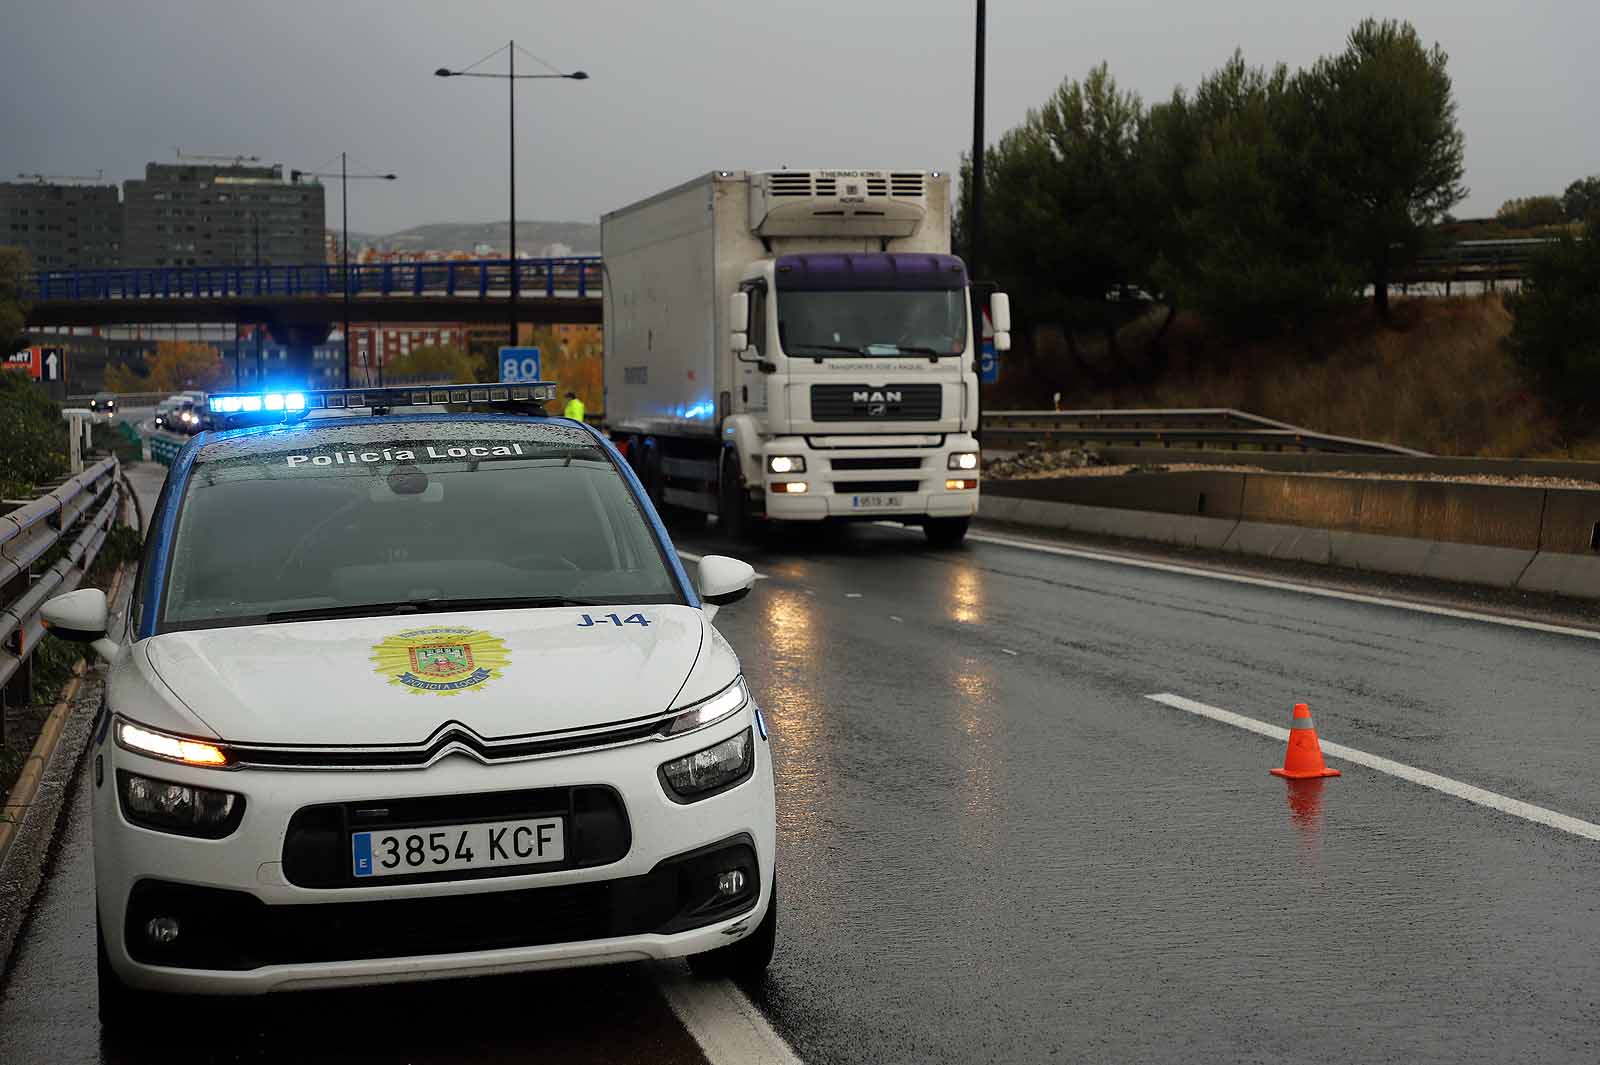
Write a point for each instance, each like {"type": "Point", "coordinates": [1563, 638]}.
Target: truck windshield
{"type": "Point", "coordinates": [360, 520]}
{"type": "Point", "coordinates": [872, 322]}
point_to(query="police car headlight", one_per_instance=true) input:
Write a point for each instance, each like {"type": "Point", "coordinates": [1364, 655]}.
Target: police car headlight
{"type": "Point", "coordinates": [729, 700]}
{"type": "Point", "coordinates": [181, 808]}
{"type": "Point", "coordinates": [964, 460]}
{"type": "Point", "coordinates": [786, 464]}
{"type": "Point", "coordinates": [164, 745]}
{"type": "Point", "coordinates": [703, 773]}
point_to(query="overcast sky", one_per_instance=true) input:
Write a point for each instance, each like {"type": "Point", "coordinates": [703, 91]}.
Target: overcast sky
{"type": "Point", "coordinates": [682, 86]}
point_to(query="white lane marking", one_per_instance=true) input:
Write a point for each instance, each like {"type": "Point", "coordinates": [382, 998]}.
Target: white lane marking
{"type": "Point", "coordinates": [690, 556]}
{"type": "Point", "coordinates": [896, 617]}
{"type": "Point", "coordinates": [1470, 792]}
{"type": "Point", "coordinates": [852, 595]}
{"type": "Point", "coordinates": [726, 1024]}
{"type": "Point", "coordinates": [1007, 651]}
{"type": "Point", "coordinates": [1284, 586]}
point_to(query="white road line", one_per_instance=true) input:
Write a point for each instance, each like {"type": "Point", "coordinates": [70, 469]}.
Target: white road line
{"type": "Point", "coordinates": [1470, 792]}
{"type": "Point", "coordinates": [896, 617]}
{"type": "Point", "coordinates": [1007, 651]}
{"type": "Point", "coordinates": [726, 1024]}
{"type": "Point", "coordinates": [1283, 586]}
{"type": "Point", "coordinates": [852, 595]}
{"type": "Point", "coordinates": [690, 556]}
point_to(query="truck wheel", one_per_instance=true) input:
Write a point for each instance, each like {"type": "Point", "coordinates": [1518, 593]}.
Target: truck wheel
{"type": "Point", "coordinates": [733, 509]}
{"type": "Point", "coordinates": [747, 959]}
{"type": "Point", "coordinates": [946, 532]}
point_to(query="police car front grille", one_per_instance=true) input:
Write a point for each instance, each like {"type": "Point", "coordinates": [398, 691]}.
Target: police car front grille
{"type": "Point", "coordinates": [894, 403]}
{"type": "Point", "coordinates": [452, 738]}
{"type": "Point", "coordinates": [316, 849]}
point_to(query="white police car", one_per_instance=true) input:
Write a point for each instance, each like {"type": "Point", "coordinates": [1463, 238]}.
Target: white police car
{"type": "Point", "coordinates": [404, 697]}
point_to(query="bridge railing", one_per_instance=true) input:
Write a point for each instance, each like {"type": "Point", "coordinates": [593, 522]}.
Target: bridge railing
{"type": "Point", "coordinates": [75, 515]}
{"type": "Point", "coordinates": [576, 276]}
{"type": "Point", "coordinates": [1196, 427]}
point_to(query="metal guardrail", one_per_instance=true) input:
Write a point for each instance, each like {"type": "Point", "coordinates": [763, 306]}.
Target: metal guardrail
{"type": "Point", "coordinates": [124, 399]}
{"type": "Point", "coordinates": [577, 276]}
{"type": "Point", "coordinates": [1197, 427]}
{"type": "Point", "coordinates": [83, 508]}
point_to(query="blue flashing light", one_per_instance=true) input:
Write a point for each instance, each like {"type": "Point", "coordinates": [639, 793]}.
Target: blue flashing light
{"type": "Point", "coordinates": [272, 401]}
{"type": "Point", "coordinates": [250, 404]}
{"type": "Point", "coordinates": [700, 411]}
{"type": "Point", "coordinates": [294, 401]}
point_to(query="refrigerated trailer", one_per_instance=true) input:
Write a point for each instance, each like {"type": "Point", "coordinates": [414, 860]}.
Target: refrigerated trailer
{"type": "Point", "coordinates": [797, 346]}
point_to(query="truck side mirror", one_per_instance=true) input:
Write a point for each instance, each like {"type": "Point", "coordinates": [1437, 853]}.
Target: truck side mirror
{"type": "Point", "coordinates": [739, 312]}
{"type": "Point", "coordinates": [1000, 312]}
{"type": "Point", "coordinates": [1000, 318]}
{"type": "Point", "coordinates": [740, 342]}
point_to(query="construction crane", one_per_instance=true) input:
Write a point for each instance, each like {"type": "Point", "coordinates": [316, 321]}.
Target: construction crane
{"type": "Point", "coordinates": [231, 160]}
{"type": "Point", "coordinates": [99, 175]}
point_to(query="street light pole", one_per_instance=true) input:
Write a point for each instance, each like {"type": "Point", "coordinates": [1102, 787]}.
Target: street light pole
{"type": "Point", "coordinates": [344, 253]}
{"type": "Point", "coordinates": [512, 77]}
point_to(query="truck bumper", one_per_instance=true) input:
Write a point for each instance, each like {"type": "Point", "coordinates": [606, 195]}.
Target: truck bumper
{"type": "Point", "coordinates": [864, 483]}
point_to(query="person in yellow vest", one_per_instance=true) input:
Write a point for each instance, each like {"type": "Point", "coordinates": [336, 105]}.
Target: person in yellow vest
{"type": "Point", "coordinates": [574, 407]}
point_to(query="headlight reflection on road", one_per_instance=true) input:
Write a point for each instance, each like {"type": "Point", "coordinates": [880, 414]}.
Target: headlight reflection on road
{"type": "Point", "coordinates": [790, 703]}
{"type": "Point", "coordinates": [980, 755]}
{"type": "Point", "coordinates": [966, 595]}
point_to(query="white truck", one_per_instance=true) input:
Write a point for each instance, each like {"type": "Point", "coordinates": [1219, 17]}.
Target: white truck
{"type": "Point", "coordinates": [797, 345]}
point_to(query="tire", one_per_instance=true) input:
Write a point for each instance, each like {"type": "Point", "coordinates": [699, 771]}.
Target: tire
{"type": "Point", "coordinates": [746, 960]}
{"type": "Point", "coordinates": [733, 509]}
{"type": "Point", "coordinates": [946, 532]}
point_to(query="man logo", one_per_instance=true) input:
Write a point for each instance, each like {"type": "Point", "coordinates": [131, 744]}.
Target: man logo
{"type": "Point", "coordinates": [876, 397]}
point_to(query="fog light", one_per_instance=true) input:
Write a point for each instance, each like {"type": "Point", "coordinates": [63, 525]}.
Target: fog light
{"type": "Point", "coordinates": [956, 486]}
{"type": "Point", "coordinates": [162, 929]}
{"type": "Point", "coordinates": [788, 487]}
{"type": "Point", "coordinates": [729, 883]}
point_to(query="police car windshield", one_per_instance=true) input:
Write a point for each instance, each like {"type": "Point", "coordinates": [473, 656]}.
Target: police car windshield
{"type": "Point", "coordinates": [352, 520]}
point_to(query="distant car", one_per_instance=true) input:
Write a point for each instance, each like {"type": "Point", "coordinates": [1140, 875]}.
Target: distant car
{"type": "Point", "coordinates": [412, 696]}
{"type": "Point", "coordinates": [202, 409]}
{"type": "Point", "coordinates": [103, 403]}
{"type": "Point", "coordinates": [166, 413]}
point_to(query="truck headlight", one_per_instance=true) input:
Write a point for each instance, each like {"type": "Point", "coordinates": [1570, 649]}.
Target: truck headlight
{"type": "Point", "coordinates": [964, 460]}
{"type": "Point", "coordinates": [179, 808]}
{"type": "Point", "coordinates": [786, 464]}
{"type": "Point", "coordinates": [699, 775]}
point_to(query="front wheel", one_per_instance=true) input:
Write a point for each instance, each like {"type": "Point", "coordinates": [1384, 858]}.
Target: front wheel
{"type": "Point", "coordinates": [946, 532]}
{"type": "Point", "coordinates": [747, 959]}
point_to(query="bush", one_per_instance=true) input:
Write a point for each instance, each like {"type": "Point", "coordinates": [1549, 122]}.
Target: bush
{"type": "Point", "coordinates": [1555, 331]}
{"type": "Point", "coordinates": [33, 438]}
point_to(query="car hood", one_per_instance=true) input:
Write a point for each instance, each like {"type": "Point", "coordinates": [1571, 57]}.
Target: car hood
{"type": "Point", "coordinates": [395, 680]}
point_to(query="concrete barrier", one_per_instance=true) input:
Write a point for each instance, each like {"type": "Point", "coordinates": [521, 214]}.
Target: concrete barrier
{"type": "Point", "coordinates": [1535, 539]}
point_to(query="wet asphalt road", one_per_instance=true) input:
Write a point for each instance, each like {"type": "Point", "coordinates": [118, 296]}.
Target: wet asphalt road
{"type": "Point", "coordinates": [993, 847]}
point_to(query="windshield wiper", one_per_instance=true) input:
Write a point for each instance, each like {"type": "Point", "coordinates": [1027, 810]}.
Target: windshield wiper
{"type": "Point", "coordinates": [425, 606]}
{"type": "Point", "coordinates": [933, 355]}
{"type": "Point", "coordinates": [816, 351]}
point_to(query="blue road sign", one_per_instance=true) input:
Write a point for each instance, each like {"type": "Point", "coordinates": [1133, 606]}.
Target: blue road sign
{"type": "Point", "coordinates": [988, 363]}
{"type": "Point", "coordinates": [519, 365]}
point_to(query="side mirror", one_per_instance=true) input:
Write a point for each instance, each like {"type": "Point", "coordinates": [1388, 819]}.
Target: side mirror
{"type": "Point", "coordinates": [724, 580]}
{"type": "Point", "coordinates": [80, 616]}
{"type": "Point", "coordinates": [740, 342]}
{"type": "Point", "coordinates": [1002, 341]}
{"type": "Point", "coordinates": [1000, 313]}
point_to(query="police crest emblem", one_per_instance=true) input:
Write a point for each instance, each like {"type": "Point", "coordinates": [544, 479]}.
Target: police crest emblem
{"type": "Point", "coordinates": [442, 660]}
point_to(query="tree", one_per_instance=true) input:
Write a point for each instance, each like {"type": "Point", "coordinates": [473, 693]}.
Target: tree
{"type": "Point", "coordinates": [14, 266]}
{"type": "Point", "coordinates": [1581, 199]}
{"type": "Point", "coordinates": [433, 363]}
{"type": "Point", "coordinates": [1555, 329]}
{"type": "Point", "coordinates": [121, 377]}
{"type": "Point", "coordinates": [1384, 134]}
{"type": "Point", "coordinates": [1063, 224]}
{"type": "Point", "coordinates": [181, 365]}
{"type": "Point", "coordinates": [1530, 211]}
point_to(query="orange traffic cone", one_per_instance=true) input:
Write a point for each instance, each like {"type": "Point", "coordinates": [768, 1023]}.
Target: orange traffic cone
{"type": "Point", "coordinates": [1303, 759]}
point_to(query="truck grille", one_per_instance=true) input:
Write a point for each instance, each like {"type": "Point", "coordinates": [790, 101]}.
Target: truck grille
{"type": "Point", "coordinates": [874, 487]}
{"type": "Point", "coordinates": [893, 403]}
{"type": "Point", "coordinates": [898, 462]}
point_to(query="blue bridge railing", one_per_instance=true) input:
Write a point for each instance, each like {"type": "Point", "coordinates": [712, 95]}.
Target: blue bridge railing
{"type": "Point", "coordinates": [575, 276]}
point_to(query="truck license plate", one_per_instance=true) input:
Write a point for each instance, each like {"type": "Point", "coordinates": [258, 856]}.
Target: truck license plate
{"type": "Point", "coordinates": [400, 851]}
{"type": "Point", "coordinates": [874, 502]}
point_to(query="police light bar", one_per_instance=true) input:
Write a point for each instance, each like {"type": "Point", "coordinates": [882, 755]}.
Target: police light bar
{"type": "Point", "coordinates": [363, 398]}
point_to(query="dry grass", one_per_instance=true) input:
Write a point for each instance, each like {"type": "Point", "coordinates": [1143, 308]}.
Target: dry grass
{"type": "Point", "coordinates": [1437, 378]}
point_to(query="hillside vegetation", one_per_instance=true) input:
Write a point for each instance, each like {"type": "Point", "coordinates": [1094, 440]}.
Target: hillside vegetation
{"type": "Point", "coordinates": [1438, 377]}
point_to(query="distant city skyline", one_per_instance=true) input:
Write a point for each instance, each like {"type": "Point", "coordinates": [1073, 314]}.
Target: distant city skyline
{"type": "Point", "coordinates": [677, 89]}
